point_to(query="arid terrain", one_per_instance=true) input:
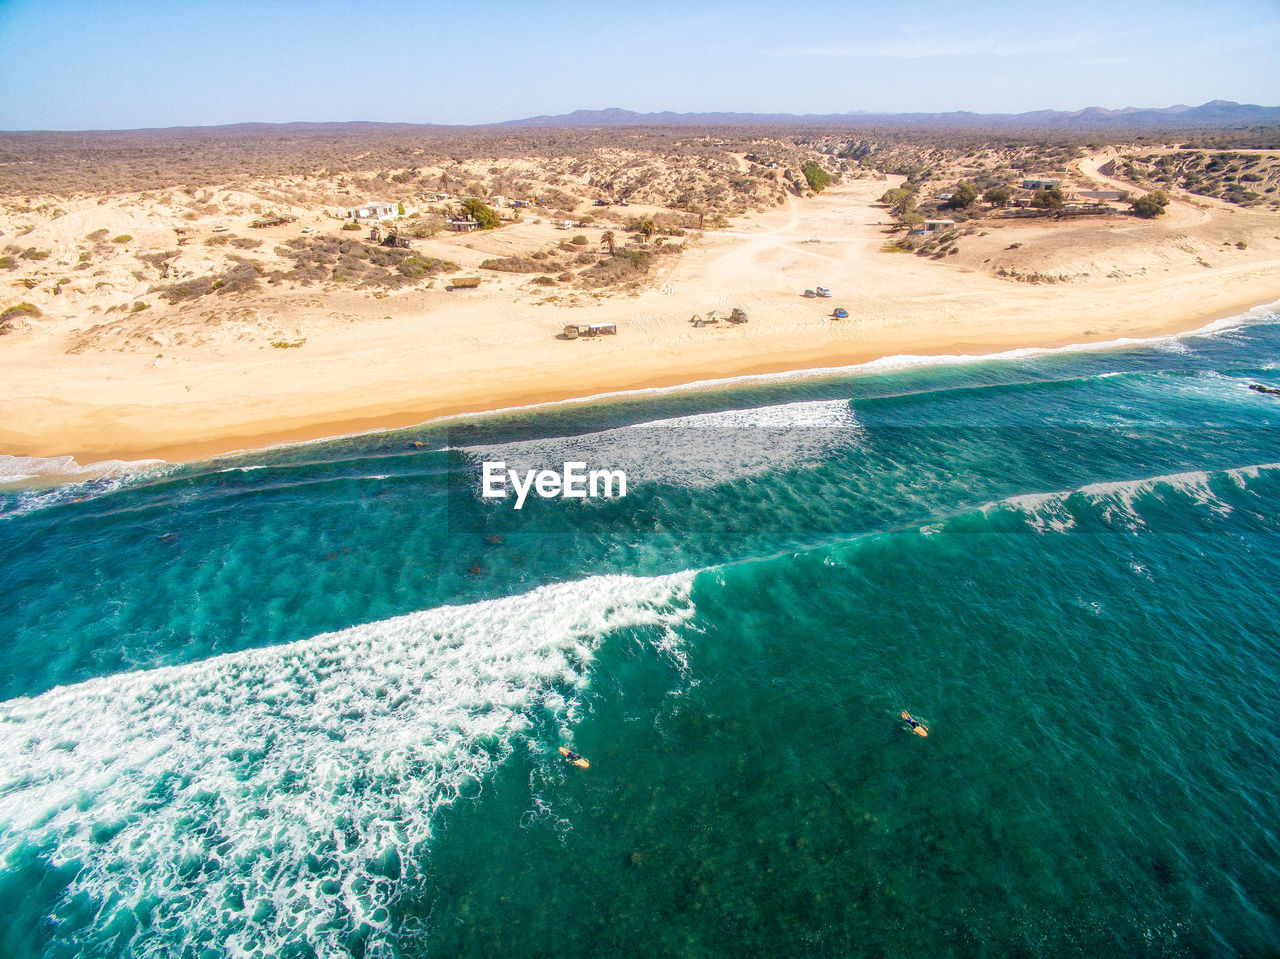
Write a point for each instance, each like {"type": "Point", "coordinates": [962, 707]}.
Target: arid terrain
{"type": "Point", "coordinates": [146, 315]}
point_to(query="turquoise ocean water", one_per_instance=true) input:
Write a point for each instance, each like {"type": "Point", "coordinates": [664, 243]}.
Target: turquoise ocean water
{"type": "Point", "coordinates": [307, 702]}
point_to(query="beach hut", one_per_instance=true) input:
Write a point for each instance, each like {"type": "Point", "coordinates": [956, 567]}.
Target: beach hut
{"type": "Point", "coordinates": [373, 211]}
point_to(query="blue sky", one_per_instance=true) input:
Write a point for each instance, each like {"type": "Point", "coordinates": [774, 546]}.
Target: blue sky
{"type": "Point", "coordinates": [116, 65]}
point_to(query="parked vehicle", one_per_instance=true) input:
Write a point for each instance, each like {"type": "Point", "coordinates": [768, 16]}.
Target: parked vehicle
{"type": "Point", "coordinates": [840, 313]}
{"type": "Point", "coordinates": [809, 294]}
{"type": "Point", "coordinates": [823, 291]}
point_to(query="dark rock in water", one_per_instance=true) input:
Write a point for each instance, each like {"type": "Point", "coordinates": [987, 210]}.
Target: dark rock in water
{"type": "Point", "coordinates": [493, 540]}
{"type": "Point", "coordinates": [1260, 388]}
{"type": "Point", "coordinates": [417, 444]}
{"type": "Point", "coordinates": [169, 538]}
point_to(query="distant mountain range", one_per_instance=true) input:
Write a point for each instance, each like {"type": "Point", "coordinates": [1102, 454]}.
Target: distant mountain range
{"type": "Point", "coordinates": [1215, 113]}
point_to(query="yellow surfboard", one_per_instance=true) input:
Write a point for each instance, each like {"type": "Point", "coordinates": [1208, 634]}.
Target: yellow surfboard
{"type": "Point", "coordinates": [574, 758]}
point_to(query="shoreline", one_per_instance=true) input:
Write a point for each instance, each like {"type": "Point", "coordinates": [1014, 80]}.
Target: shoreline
{"type": "Point", "coordinates": [191, 383]}
{"type": "Point", "coordinates": [814, 363]}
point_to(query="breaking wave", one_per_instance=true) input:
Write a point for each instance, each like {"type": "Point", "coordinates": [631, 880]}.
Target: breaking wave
{"type": "Point", "coordinates": [286, 794]}
{"type": "Point", "coordinates": [700, 450]}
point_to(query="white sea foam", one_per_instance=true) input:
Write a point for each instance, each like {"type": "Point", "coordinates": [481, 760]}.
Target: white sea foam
{"type": "Point", "coordinates": [53, 470]}
{"type": "Point", "coordinates": [284, 795]}
{"type": "Point", "coordinates": [1118, 503]}
{"type": "Point", "coordinates": [35, 482]}
{"type": "Point", "coordinates": [700, 450]}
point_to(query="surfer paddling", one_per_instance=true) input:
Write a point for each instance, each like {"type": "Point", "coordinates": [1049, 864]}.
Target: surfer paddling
{"type": "Point", "coordinates": [917, 727]}
{"type": "Point", "coordinates": [573, 758]}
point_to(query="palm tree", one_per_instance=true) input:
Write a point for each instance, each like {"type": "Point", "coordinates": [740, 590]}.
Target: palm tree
{"type": "Point", "coordinates": [606, 240]}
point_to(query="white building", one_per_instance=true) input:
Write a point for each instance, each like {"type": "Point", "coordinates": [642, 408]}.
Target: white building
{"type": "Point", "coordinates": [1040, 183]}
{"type": "Point", "coordinates": [373, 211]}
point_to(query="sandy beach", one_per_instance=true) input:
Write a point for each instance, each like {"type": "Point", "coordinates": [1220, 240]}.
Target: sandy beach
{"type": "Point", "coordinates": [372, 363]}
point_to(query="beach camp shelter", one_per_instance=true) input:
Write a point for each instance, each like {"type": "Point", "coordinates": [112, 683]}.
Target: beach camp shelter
{"type": "Point", "coordinates": [373, 211]}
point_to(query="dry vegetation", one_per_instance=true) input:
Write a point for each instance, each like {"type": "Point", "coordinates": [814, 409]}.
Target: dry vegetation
{"type": "Point", "coordinates": [124, 223]}
{"type": "Point", "coordinates": [1245, 179]}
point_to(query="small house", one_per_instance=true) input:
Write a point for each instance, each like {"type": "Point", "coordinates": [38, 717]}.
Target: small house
{"type": "Point", "coordinates": [373, 211]}
{"type": "Point", "coordinates": [462, 224]}
{"type": "Point", "coordinates": [1041, 183]}
{"type": "Point", "coordinates": [934, 225]}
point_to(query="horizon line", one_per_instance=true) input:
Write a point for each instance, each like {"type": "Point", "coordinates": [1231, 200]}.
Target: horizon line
{"type": "Point", "coordinates": [1112, 113]}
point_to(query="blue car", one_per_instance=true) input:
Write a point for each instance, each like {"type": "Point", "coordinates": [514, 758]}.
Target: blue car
{"type": "Point", "coordinates": [840, 313]}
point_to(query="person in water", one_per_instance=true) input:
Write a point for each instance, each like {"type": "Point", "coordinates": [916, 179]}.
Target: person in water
{"type": "Point", "coordinates": [571, 757]}
{"type": "Point", "coordinates": [914, 725]}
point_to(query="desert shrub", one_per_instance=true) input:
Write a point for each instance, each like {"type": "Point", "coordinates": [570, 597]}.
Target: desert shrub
{"type": "Point", "coordinates": [159, 260]}
{"type": "Point", "coordinates": [245, 243]}
{"type": "Point", "coordinates": [515, 264]}
{"type": "Point", "coordinates": [818, 178]}
{"type": "Point", "coordinates": [543, 281]}
{"type": "Point", "coordinates": [351, 225]}
{"type": "Point", "coordinates": [417, 267]}
{"type": "Point", "coordinates": [1048, 199]}
{"type": "Point", "coordinates": [333, 259]}
{"type": "Point", "coordinates": [31, 253]}
{"type": "Point", "coordinates": [122, 238]}
{"type": "Point", "coordinates": [622, 266]}
{"type": "Point", "coordinates": [425, 226]}
{"type": "Point", "coordinates": [1150, 205]}
{"type": "Point", "coordinates": [963, 195]}
{"type": "Point", "coordinates": [243, 277]}
{"type": "Point", "coordinates": [998, 195]}
{"type": "Point", "coordinates": [8, 263]}
{"type": "Point", "coordinates": [579, 240]}
{"type": "Point", "coordinates": [19, 311]}
{"type": "Point", "coordinates": [97, 235]}
{"type": "Point", "coordinates": [139, 307]}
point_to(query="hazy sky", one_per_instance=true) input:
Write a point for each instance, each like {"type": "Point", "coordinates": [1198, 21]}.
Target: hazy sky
{"type": "Point", "coordinates": [121, 64]}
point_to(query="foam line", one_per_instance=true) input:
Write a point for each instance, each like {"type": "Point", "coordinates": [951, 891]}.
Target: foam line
{"type": "Point", "coordinates": [1118, 504]}
{"type": "Point", "coordinates": [700, 450]}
